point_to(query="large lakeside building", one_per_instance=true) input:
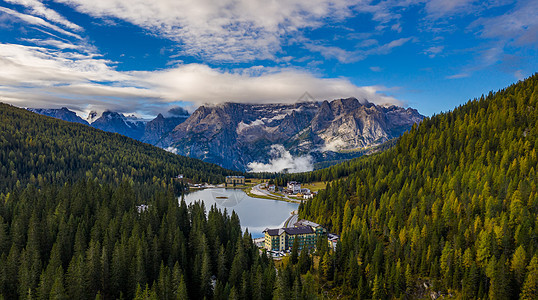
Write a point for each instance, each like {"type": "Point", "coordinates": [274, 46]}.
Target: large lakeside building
{"type": "Point", "coordinates": [294, 187]}
{"type": "Point", "coordinates": [282, 239]}
{"type": "Point", "coordinates": [235, 180]}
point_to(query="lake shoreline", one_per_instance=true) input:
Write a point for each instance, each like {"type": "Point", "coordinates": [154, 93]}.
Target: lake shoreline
{"type": "Point", "coordinates": [254, 214]}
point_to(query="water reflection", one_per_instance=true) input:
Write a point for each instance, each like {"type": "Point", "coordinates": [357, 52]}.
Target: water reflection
{"type": "Point", "coordinates": [255, 214]}
{"type": "Point", "coordinates": [227, 199]}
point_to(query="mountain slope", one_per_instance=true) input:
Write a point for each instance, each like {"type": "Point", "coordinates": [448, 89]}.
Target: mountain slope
{"type": "Point", "coordinates": [159, 127]}
{"type": "Point", "coordinates": [63, 114]}
{"type": "Point", "coordinates": [149, 132]}
{"type": "Point", "coordinates": [118, 123]}
{"type": "Point", "coordinates": [452, 207]}
{"type": "Point", "coordinates": [35, 149]}
{"type": "Point", "coordinates": [234, 135]}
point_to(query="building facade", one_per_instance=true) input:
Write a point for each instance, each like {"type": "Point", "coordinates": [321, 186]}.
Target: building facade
{"type": "Point", "coordinates": [282, 239]}
{"type": "Point", "coordinates": [294, 187]}
{"type": "Point", "coordinates": [235, 180]}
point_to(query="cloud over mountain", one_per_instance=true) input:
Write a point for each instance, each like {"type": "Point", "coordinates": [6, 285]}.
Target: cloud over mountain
{"type": "Point", "coordinates": [47, 77]}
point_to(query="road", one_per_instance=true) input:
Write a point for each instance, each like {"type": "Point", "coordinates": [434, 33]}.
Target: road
{"type": "Point", "coordinates": [263, 192]}
{"type": "Point", "coordinates": [292, 219]}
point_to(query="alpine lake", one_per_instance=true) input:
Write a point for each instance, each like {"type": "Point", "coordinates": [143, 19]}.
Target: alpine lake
{"type": "Point", "coordinates": [256, 214]}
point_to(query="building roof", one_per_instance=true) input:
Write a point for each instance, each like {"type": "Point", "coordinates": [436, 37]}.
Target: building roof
{"type": "Point", "coordinates": [298, 230]}
{"type": "Point", "coordinates": [333, 237]}
{"type": "Point", "coordinates": [272, 232]}
{"type": "Point", "coordinates": [306, 223]}
{"type": "Point", "coordinates": [289, 230]}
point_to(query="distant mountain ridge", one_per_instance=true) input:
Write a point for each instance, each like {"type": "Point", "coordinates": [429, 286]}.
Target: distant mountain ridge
{"type": "Point", "coordinates": [130, 126]}
{"type": "Point", "coordinates": [234, 135]}
{"type": "Point", "coordinates": [63, 114]}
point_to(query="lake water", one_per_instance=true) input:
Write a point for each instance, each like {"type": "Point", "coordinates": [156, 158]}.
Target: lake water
{"type": "Point", "coordinates": [255, 214]}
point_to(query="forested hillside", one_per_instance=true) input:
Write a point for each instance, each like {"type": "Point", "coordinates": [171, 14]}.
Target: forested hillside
{"type": "Point", "coordinates": [89, 241]}
{"type": "Point", "coordinates": [37, 149]}
{"type": "Point", "coordinates": [453, 206]}
{"type": "Point", "coordinates": [86, 214]}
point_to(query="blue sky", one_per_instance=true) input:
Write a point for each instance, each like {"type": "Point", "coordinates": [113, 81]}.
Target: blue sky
{"type": "Point", "coordinates": [143, 57]}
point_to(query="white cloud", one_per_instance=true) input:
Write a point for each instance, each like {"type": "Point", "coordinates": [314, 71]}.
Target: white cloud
{"type": "Point", "coordinates": [334, 145]}
{"type": "Point", "coordinates": [433, 51]}
{"type": "Point", "coordinates": [171, 150]}
{"type": "Point", "coordinates": [519, 75]}
{"type": "Point", "coordinates": [519, 25]}
{"type": "Point", "coordinates": [54, 43]}
{"type": "Point", "coordinates": [281, 161]}
{"type": "Point", "coordinates": [441, 8]}
{"type": "Point", "coordinates": [386, 48]}
{"type": "Point", "coordinates": [38, 8]}
{"type": "Point", "coordinates": [186, 82]}
{"type": "Point", "coordinates": [344, 56]}
{"type": "Point", "coordinates": [33, 20]}
{"type": "Point", "coordinates": [239, 30]}
{"type": "Point", "coordinates": [397, 27]}
{"type": "Point", "coordinates": [458, 76]}
{"type": "Point", "coordinates": [375, 69]}
{"type": "Point", "coordinates": [47, 77]}
{"type": "Point", "coordinates": [330, 52]}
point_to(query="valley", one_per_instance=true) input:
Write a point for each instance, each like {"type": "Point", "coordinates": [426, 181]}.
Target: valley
{"type": "Point", "coordinates": [268, 150]}
{"type": "Point", "coordinates": [448, 210]}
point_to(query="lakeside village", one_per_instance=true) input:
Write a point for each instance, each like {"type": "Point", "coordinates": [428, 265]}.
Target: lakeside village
{"type": "Point", "coordinates": [292, 192]}
{"type": "Point", "coordinates": [278, 242]}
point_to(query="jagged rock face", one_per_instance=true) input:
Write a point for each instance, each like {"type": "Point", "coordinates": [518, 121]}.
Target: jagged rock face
{"type": "Point", "coordinates": [116, 122]}
{"type": "Point", "coordinates": [92, 116]}
{"type": "Point", "coordinates": [233, 134]}
{"type": "Point", "coordinates": [62, 113]}
{"type": "Point", "coordinates": [150, 132]}
{"type": "Point", "coordinates": [159, 127]}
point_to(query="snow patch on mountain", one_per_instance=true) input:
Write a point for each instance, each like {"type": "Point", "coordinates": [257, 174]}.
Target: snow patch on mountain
{"type": "Point", "coordinates": [92, 116]}
{"type": "Point", "coordinates": [242, 125]}
{"type": "Point", "coordinates": [171, 150]}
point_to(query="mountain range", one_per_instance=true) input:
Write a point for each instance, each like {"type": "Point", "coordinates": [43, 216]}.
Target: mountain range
{"type": "Point", "coordinates": [249, 136]}
{"type": "Point", "coordinates": [139, 129]}
{"type": "Point", "coordinates": [263, 137]}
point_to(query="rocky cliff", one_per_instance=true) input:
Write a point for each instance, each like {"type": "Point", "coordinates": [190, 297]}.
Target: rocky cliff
{"type": "Point", "coordinates": [234, 135]}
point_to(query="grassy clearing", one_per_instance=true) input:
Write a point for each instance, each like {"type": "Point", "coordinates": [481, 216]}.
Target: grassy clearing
{"type": "Point", "coordinates": [314, 186]}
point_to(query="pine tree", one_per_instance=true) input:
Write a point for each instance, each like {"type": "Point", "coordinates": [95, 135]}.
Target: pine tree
{"type": "Point", "coordinates": [57, 291]}
{"type": "Point", "coordinates": [519, 263]}
{"type": "Point", "coordinates": [304, 262]}
{"type": "Point", "coordinates": [181, 293]}
{"type": "Point", "coordinates": [295, 251]}
{"type": "Point", "coordinates": [530, 287]}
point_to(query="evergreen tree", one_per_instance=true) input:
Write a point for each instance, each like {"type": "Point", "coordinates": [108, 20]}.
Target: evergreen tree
{"type": "Point", "coordinates": [530, 287]}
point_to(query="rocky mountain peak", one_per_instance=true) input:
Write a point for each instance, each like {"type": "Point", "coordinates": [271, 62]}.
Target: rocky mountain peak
{"type": "Point", "coordinates": [235, 134]}
{"type": "Point", "coordinates": [92, 116]}
{"type": "Point", "coordinates": [62, 113]}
